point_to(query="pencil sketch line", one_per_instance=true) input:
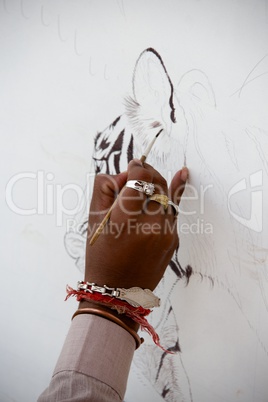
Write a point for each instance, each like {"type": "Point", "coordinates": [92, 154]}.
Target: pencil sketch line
{"type": "Point", "coordinates": [120, 4]}
{"type": "Point", "coordinates": [22, 10]}
{"type": "Point", "coordinates": [187, 377]}
{"type": "Point", "coordinates": [239, 305]}
{"type": "Point", "coordinates": [249, 81]}
{"type": "Point", "coordinates": [42, 17]}
{"type": "Point", "coordinates": [259, 149]}
{"type": "Point", "coordinates": [166, 306]}
{"type": "Point", "coordinates": [252, 72]}
{"type": "Point", "coordinates": [201, 156]}
{"type": "Point", "coordinates": [230, 149]}
{"type": "Point", "coordinates": [249, 74]}
{"type": "Point", "coordinates": [186, 140]}
{"type": "Point", "coordinates": [90, 67]}
{"type": "Point", "coordinates": [199, 77]}
{"type": "Point", "coordinates": [59, 30]}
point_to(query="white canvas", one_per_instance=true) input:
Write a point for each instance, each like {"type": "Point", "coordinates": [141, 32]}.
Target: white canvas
{"type": "Point", "coordinates": [68, 71]}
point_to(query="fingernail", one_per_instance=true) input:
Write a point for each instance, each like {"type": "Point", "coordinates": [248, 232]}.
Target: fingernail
{"type": "Point", "coordinates": [184, 173]}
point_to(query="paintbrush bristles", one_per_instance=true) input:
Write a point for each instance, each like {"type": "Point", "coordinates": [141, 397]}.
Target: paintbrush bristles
{"type": "Point", "coordinates": [150, 146]}
{"type": "Point", "coordinates": [107, 216]}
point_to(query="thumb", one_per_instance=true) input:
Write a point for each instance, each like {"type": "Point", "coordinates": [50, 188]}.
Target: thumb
{"type": "Point", "coordinates": [177, 185]}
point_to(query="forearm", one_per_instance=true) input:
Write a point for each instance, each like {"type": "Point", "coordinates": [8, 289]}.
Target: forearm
{"type": "Point", "coordinates": [95, 361]}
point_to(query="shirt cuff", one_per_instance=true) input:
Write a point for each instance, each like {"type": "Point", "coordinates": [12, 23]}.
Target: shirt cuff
{"type": "Point", "coordinates": [98, 348]}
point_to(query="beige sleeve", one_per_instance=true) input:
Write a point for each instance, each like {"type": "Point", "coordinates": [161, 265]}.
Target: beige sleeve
{"type": "Point", "coordinates": [94, 363]}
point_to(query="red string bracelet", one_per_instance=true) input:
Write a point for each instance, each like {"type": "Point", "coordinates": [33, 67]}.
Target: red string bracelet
{"type": "Point", "coordinates": [137, 314]}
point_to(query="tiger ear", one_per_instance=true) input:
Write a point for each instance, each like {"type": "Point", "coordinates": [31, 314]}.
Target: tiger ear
{"type": "Point", "coordinates": [152, 90]}
{"type": "Point", "coordinates": [195, 87]}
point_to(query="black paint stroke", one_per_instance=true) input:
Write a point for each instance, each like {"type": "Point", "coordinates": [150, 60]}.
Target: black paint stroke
{"type": "Point", "coordinates": [171, 103]}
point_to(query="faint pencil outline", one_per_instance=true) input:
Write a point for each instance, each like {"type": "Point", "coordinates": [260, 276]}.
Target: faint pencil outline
{"type": "Point", "coordinates": [42, 17]}
{"type": "Point", "coordinates": [121, 6]}
{"type": "Point", "coordinates": [22, 11]}
{"type": "Point", "coordinates": [90, 67]}
{"type": "Point", "coordinates": [59, 29]}
{"type": "Point", "coordinates": [246, 81]}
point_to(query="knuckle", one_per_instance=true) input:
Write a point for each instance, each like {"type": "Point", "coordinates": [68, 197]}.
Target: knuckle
{"type": "Point", "coordinates": [100, 179]}
{"type": "Point", "coordinates": [161, 183]}
{"type": "Point", "coordinates": [140, 174]}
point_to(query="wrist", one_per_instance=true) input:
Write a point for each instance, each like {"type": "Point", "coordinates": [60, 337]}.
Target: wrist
{"type": "Point", "coordinates": [122, 317]}
{"type": "Point", "coordinates": [119, 311]}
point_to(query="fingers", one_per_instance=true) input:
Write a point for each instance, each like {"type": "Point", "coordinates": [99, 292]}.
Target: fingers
{"type": "Point", "coordinates": [139, 171]}
{"type": "Point", "coordinates": [177, 185]}
{"type": "Point", "coordinates": [134, 202]}
{"type": "Point", "coordinates": [145, 172]}
{"type": "Point", "coordinates": [113, 184]}
{"type": "Point", "coordinates": [106, 189]}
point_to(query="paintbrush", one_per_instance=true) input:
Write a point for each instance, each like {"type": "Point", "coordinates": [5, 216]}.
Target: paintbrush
{"type": "Point", "coordinates": [107, 216]}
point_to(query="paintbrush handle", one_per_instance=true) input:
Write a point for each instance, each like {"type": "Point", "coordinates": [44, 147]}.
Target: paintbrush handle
{"type": "Point", "coordinates": [103, 223]}
{"type": "Point", "coordinates": [143, 158]}
{"type": "Point", "coordinates": [107, 216]}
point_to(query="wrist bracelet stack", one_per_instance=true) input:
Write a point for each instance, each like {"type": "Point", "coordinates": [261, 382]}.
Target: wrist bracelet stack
{"type": "Point", "coordinates": [136, 297]}
{"type": "Point", "coordinates": [134, 303]}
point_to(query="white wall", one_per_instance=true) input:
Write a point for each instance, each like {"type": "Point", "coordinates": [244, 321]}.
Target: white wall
{"type": "Point", "coordinates": [65, 69]}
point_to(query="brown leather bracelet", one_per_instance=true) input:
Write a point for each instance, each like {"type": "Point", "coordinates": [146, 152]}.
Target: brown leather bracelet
{"type": "Point", "coordinates": [113, 318]}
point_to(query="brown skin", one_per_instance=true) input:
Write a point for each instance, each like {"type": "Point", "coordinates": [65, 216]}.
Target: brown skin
{"type": "Point", "coordinates": [137, 244]}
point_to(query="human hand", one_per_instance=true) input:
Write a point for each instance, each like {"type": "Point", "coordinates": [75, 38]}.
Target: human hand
{"type": "Point", "coordinates": [139, 240]}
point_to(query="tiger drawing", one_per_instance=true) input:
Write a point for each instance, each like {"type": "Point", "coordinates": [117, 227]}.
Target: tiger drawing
{"type": "Point", "coordinates": [125, 138]}
{"type": "Point", "coordinates": [194, 133]}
